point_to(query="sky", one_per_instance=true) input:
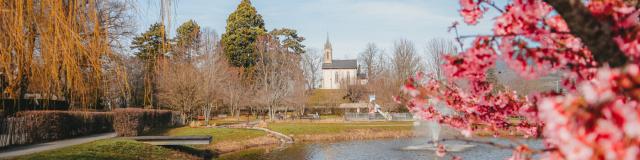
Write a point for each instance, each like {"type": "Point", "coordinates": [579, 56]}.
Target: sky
{"type": "Point", "coordinates": [350, 24]}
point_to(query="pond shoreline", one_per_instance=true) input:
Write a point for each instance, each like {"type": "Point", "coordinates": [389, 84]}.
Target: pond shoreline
{"type": "Point", "coordinates": [357, 134]}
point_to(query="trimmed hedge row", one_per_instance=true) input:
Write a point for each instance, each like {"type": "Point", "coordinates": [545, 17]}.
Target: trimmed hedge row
{"type": "Point", "coordinates": [30, 127]}
{"type": "Point", "coordinates": [134, 121]}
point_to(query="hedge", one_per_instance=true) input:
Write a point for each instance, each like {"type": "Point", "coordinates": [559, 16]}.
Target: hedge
{"type": "Point", "coordinates": [31, 127]}
{"type": "Point", "coordinates": [134, 121]}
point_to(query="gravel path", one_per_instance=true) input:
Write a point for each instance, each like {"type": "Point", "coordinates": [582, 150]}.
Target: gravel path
{"type": "Point", "coordinates": [35, 148]}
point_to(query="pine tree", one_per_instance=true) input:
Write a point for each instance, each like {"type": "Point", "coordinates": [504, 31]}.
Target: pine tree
{"type": "Point", "coordinates": [150, 48]}
{"type": "Point", "coordinates": [289, 39]}
{"type": "Point", "coordinates": [244, 26]}
{"type": "Point", "coordinates": [187, 40]}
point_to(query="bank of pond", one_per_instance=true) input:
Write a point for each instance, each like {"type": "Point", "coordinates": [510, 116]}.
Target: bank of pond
{"type": "Point", "coordinates": [336, 140]}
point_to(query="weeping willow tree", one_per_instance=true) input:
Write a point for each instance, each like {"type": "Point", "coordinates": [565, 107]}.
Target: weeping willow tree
{"type": "Point", "coordinates": [55, 48]}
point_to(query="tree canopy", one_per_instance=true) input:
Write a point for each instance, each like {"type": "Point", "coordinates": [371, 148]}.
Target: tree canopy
{"type": "Point", "coordinates": [187, 40]}
{"type": "Point", "coordinates": [289, 39]}
{"type": "Point", "coordinates": [244, 26]}
{"type": "Point", "coordinates": [149, 45]}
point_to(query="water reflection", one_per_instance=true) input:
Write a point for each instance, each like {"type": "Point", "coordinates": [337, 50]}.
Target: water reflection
{"type": "Point", "coordinates": [370, 149]}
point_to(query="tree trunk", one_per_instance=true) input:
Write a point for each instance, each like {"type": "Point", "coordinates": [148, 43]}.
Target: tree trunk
{"type": "Point", "coordinates": [596, 34]}
{"type": "Point", "coordinates": [207, 113]}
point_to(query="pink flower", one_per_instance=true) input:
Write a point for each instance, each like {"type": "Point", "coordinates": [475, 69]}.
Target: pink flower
{"type": "Point", "coordinates": [471, 11]}
{"type": "Point", "coordinates": [597, 116]}
{"type": "Point", "coordinates": [441, 151]}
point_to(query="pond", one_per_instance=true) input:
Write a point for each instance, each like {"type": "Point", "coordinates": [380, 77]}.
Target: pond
{"type": "Point", "coordinates": [391, 149]}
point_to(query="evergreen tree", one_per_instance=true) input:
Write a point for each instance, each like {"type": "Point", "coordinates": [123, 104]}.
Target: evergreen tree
{"type": "Point", "coordinates": [187, 40]}
{"type": "Point", "coordinates": [244, 26]}
{"type": "Point", "coordinates": [289, 39]}
{"type": "Point", "coordinates": [150, 48]}
{"type": "Point", "coordinates": [149, 45]}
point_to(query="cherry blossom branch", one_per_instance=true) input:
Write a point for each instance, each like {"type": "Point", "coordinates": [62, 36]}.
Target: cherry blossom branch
{"type": "Point", "coordinates": [509, 35]}
{"type": "Point", "coordinates": [454, 27]}
{"type": "Point", "coordinates": [595, 34]}
{"type": "Point", "coordinates": [493, 4]}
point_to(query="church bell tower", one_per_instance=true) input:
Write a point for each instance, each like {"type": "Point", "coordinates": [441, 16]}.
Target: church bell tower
{"type": "Point", "coordinates": [328, 51]}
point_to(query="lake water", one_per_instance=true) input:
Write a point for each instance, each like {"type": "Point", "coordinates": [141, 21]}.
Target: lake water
{"type": "Point", "coordinates": [373, 149]}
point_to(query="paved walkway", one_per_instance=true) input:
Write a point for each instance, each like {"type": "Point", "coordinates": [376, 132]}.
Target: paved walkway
{"type": "Point", "coordinates": [35, 148]}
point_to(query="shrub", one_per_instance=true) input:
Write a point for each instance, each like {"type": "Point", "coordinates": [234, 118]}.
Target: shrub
{"type": "Point", "coordinates": [133, 121]}
{"type": "Point", "coordinates": [30, 127]}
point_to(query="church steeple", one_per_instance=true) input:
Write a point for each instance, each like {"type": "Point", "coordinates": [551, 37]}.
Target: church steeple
{"type": "Point", "coordinates": [328, 51]}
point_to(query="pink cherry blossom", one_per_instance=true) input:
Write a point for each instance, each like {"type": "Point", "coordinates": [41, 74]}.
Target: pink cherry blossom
{"type": "Point", "coordinates": [471, 10]}
{"type": "Point", "coordinates": [598, 115]}
{"type": "Point", "coordinates": [440, 150]}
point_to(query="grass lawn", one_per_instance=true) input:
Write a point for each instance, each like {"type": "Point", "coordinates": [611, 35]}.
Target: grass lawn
{"type": "Point", "coordinates": [109, 149]}
{"type": "Point", "coordinates": [328, 128]}
{"type": "Point", "coordinates": [231, 120]}
{"type": "Point", "coordinates": [219, 134]}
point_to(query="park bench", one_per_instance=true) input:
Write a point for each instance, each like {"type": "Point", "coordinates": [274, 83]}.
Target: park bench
{"type": "Point", "coordinates": [174, 140]}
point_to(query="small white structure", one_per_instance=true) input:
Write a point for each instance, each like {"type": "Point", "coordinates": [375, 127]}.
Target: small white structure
{"type": "Point", "coordinates": [338, 72]}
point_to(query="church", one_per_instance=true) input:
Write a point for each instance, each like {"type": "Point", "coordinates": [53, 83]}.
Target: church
{"type": "Point", "coordinates": [337, 74]}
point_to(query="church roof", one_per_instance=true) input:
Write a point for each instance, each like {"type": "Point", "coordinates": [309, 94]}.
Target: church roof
{"type": "Point", "coordinates": [341, 64]}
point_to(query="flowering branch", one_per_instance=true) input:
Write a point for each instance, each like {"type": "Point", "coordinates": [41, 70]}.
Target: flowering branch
{"type": "Point", "coordinates": [593, 45]}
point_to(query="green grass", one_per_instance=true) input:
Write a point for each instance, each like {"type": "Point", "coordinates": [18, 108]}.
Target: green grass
{"type": "Point", "coordinates": [326, 97]}
{"type": "Point", "coordinates": [328, 128]}
{"type": "Point", "coordinates": [219, 134]}
{"type": "Point", "coordinates": [110, 149]}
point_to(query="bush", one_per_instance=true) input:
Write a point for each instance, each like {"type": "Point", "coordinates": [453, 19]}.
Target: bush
{"type": "Point", "coordinates": [133, 121]}
{"type": "Point", "coordinates": [30, 127]}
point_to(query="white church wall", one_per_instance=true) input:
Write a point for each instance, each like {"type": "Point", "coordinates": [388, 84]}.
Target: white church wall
{"type": "Point", "coordinates": [331, 78]}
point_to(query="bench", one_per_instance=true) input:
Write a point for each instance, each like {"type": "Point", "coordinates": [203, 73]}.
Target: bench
{"type": "Point", "coordinates": [174, 140]}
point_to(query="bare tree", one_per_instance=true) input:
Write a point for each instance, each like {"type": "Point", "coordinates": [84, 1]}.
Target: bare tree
{"type": "Point", "coordinates": [311, 64]}
{"type": "Point", "coordinates": [275, 71]}
{"type": "Point", "coordinates": [117, 17]}
{"type": "Point", "coordinates": [180, 87]}
{"type": "Point", "coordinates": [368, 60]}
{"type": "Point", "coordinates": [405, 60]}
{"type": "Point", "coordinates": [435, 51]}
{"type": "Point", "coordinates": [234, 90]}
{"type": "Point", "coordinates": [213, 68]}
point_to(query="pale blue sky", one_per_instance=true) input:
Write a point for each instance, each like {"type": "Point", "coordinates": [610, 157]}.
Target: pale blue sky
{"type": "Point", "coordinates": [351, 24]}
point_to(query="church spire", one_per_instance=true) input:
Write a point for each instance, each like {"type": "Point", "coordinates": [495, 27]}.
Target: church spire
{"type": "Point", "coordinates": [328, 51]}
{"type": "Point", "coordinates": [327, 44]}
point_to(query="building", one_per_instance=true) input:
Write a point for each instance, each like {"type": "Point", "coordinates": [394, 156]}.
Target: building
{"type": "Point", "coordinates": [337, 73]}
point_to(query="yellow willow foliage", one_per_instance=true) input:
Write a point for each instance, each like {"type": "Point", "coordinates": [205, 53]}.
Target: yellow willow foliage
{"type": "Point", "coordinates": [54, 48]}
